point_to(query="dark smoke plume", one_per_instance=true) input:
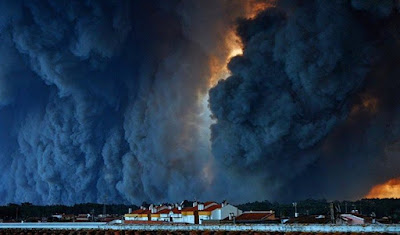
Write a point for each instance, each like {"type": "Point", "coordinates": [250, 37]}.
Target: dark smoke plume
{"type": "Point", "coordinates": [102, 101]}
{"type": "Point", "coordinates": [311, 108]}
{"type": "Point", "coordinates": [99, 100]}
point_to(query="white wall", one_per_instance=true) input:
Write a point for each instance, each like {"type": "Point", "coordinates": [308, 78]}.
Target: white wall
{"type": "Point", "coordinates": [188, 219]}
{"type": "Point", "coordinates": [176, 218]}
{"type": "Point", "coordinates": [216, 214]}
{"type": "Point", "coordinates": [224, 212]}
{"type": "Point", "coordinates": [203, 217]}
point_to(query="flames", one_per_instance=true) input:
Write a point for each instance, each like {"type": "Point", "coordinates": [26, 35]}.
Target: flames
{"type": "Point", "coordinates": [232, 44]}
{"type": "Point", "coordinates": [219, 65]}
{"type": "Point", "coordinates": [389, 189]}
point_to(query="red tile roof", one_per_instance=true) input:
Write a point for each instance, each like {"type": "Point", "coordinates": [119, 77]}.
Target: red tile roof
{"type": "Point", "coordinates": [165, 211]}
{"type": "Point", "coordinates": [176, 211]}
{"type": "Point", "coordinates": [211, 208]}
{"type": "Point", "coordinates": [190, 209]}
{"type": "Point", "coordinates": [141, 211]}
{"type": "Point", "coordinates": [254, 216]}
{"type": "Point", "coordinates": [209, 203]}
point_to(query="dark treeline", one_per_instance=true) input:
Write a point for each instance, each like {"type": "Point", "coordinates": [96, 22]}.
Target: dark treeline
{"type": "Point", "coordinates": [27, 210]}
{"type": "Point", "coordinates": [377, 207]}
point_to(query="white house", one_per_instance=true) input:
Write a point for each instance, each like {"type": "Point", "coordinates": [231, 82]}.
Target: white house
{"type": "Point", "coordinates": [196, 214]}
{"type": "Point", "coordinates": [138, 215]}
{"type": "Point", "coordinates": [206, 214]}
{"type": "Point", "coordinates": [175, 215]}
{"type": "Point", "coordinates": [190, 215]}
{"type": "Point", "coordinates": [224, 211]}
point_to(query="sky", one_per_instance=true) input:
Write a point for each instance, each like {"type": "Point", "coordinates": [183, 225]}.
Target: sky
{"type": "Point", "coordinates": [159, 101]}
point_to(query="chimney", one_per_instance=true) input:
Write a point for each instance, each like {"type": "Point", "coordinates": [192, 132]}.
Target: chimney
{"type": "Point", "coordinates": [169, 207]}
{"type": "Point", "coordinates": [200, 206]}
{"type": "Point", "coordinates": [194, 203]}
{"type": "Point", "coordinates": [179, 208]}
{"type": "Point", "coordinates": [130, 211]}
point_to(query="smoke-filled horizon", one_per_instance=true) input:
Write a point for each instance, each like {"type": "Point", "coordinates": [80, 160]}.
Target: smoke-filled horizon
{"type": "Point", "coordinates": [106, 101]}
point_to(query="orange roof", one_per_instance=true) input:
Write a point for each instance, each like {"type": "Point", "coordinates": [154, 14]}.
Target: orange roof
{"type": "Point", "coordinates": [190, 209]}
{"type": "Point", "coordinates": [209, 203]}
{"type": "Point", "coordinates": [176, 211]}
{"type": "Point", "coordinates": [211, 208]}
{"type": "Point", "coordinates": [165, 211]}
{"type": "Point", "coordinates": [254, 216]}
{"type": "Point", "coordinates": [141, 211]}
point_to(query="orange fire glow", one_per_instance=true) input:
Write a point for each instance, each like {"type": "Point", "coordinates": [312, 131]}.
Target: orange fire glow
{"type": "Point", "coordinates": [389, 189]}
{"type": "Point", "coordinates": [233, 45]}
{"type": "Point", "coordinates": [219, 69]}
{"type": "Point", "coordinates": [253, 7]}
{"type": "Point", "coordinates": [368, 104]}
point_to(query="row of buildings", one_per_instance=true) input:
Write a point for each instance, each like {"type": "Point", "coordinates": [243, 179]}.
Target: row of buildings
{"type": "Point", "coordinates": [198, 213]}
{"type": "Point", "coordinates": [217, 213]}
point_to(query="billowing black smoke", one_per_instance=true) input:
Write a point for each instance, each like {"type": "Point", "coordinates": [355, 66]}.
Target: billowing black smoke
{"type": "Point", "coordinates": [312, 107]}
{"type": "Point", "coordinates": [102, 101]}
{"type": "Point", "coordinates": [99, 100]}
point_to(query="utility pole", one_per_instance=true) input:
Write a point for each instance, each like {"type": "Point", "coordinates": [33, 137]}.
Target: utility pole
{"type": "Point", "coordinates": [332, 213]}
{"type": "Point", "coordinates": [295, 209]}
{"type": "Point", "coordinates": [104, 206]}
{"type": "Point", "coordinates": [92, 214]}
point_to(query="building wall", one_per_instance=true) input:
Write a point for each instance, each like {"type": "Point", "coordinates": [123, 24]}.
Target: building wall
{"type": "Point", "coordinates": [188, 219]}
{"type": "Point", "coordinates": [164, 217]}
{"type": "Point", "coordinates": [216, 214]}
{"type": "Point", "coordinates": [176, 218]}
{"type": "Point", "coordinates": [143, 218]}
{"type": "Point", "coordinates": [224, 212]}
{"type": "Point", "coordinates": [204, 217]}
